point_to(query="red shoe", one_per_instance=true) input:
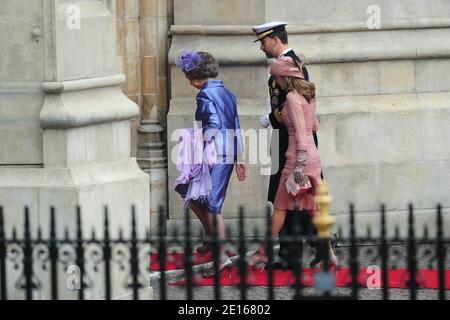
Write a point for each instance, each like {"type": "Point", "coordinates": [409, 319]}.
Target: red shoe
{"type": "Point", "coordinates": [200, 258]}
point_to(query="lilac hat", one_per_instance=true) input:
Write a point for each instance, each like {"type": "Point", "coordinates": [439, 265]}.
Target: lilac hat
{"type": "Point", "coordinates": [188, 60]}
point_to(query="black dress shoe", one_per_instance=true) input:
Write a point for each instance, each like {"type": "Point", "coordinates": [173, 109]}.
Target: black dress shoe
{"type": "Point", "coordinates": [317, 259]}
{"type": "Point", "coordinates": [280, 265]}
{"type": "Point", "coordinates": [333, 238]}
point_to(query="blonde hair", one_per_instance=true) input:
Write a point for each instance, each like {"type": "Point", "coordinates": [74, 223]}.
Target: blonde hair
{"type": "Point", "coordinates": [305, 88]}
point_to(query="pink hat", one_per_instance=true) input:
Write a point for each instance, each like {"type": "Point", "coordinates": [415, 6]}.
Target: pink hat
{"type": "Point", "coordinates": [285, 67]}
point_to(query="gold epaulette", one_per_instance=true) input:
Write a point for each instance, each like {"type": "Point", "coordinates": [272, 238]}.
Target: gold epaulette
{"type": "Point", "coordinates": [277, 114]}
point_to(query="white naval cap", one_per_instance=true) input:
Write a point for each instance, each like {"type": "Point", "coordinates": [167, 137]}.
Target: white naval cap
{"type": "Point", "coordinates": [264, 30]}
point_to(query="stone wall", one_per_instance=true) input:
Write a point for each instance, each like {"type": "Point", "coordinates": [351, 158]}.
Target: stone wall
{"type": "Point", "coordinates": [20, 84]}
{"type": "Point", "coordinates": [382, 96]}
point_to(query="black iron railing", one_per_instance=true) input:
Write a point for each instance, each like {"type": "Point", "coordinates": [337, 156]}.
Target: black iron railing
{"type": "Point", "coordinates": [131, 255]}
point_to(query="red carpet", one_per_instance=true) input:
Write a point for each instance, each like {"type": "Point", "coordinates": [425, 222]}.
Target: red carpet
{"type": "Point", "coordinates": [398, 278]}
{"type": "Point", "coordinates": [173, 261]}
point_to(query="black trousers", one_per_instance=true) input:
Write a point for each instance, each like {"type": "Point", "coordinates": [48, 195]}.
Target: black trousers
{"type": "Point", "coordinates": [296, 221]}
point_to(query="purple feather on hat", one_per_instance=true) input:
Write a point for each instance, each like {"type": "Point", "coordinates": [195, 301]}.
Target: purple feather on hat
{"type": "Point", "coordinates": [188, 61]}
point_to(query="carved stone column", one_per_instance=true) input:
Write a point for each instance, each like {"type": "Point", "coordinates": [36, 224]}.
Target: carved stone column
{"type": "Point", "coordinates": [68, 125]}
{"type": "Point", "coordinates": [143, 41]}
{"type": "Point", "coordinates": [151, 153]}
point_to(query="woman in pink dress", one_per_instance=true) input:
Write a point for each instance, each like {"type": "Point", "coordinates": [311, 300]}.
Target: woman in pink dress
{"type": "Point", "coordinates": [300, 176]}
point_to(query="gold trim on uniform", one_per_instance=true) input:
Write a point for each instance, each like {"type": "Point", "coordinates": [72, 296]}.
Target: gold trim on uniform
{"type": "Point", "coordinates": [277, 114]}
{"type": "Point", "coordinates": [262, 35]}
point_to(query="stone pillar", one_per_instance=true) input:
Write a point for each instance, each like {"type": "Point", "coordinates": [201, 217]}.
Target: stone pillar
{"type": "Point", "coordinates": [129, 58]}
{"type": "Point", "coordinates": [142, 54]}
{"type": "Point", "coordinates": [63, 91]}
{"type": "Point", "coordinates": [143, 44]}
{"type": "Point", "coordinates": [151, 154]}
{"type": "Point", "coordinates": [382, 91]}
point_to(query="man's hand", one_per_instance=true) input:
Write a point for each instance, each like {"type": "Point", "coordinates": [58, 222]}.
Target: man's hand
{"type": "Point", "coordinates": [240, 171]}
{"type": "Point", "coordinates": [264, 120]}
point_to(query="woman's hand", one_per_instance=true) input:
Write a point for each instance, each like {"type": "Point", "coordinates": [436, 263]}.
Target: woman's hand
{"type": "Point", "coordinates": [240, 171]}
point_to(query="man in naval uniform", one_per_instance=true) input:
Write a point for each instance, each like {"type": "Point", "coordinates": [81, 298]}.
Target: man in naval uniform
{"type": "Point", "coordinates": [274, 43]}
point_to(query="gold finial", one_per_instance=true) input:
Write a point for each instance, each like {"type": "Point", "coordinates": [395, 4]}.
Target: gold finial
{"type": "Point", "coordinates": [323, 220]}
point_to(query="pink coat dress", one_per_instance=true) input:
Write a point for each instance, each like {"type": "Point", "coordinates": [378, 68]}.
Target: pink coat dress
{"type": "Point", "coordinates": [300, 118]}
